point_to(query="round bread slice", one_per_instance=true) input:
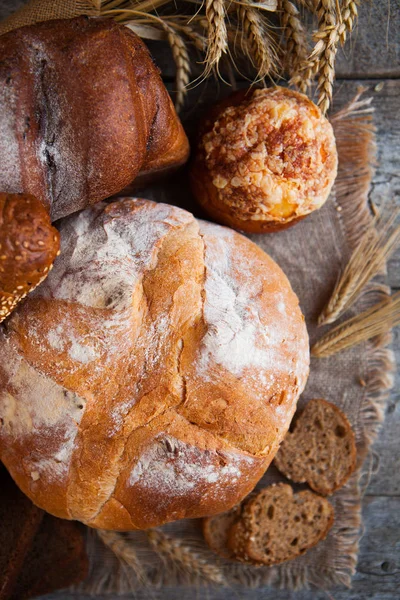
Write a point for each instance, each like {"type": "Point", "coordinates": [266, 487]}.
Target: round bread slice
{"type": "Point", "coordinates": [321, 449]}
{"type": "Point", "coordinates": [216, 531]}
{"type": "Point", "coordinates": [278, 525]}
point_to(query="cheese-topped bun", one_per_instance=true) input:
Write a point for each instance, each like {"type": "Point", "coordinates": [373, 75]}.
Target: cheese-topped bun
{"type": "Point", "coordinates": [265, 159]}
{"type": "Point", "coordinates": [154, 373]}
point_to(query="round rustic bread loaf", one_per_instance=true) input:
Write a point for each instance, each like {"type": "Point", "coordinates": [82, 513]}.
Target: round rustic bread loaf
{"type": "Point", "coordinates": [153, 374]}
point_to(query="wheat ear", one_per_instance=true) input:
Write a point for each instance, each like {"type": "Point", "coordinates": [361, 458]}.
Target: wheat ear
{"type": "Point", "coordinates": [349, 14]}
{"type": "Point", "coordinates": [324, 54]}
{"type": "Point", "coordinates": [124, 551]}
{"type": "Point", "coordinates": [176, 552]}
{"type": "Point", "coordinates": [377, 244]}
{"type": "Point", "coordinates": [258, 42]}
{"type": "Point", "coordinates": [182, 63]}
{"type": "Point", "coordinates": [375, 321]}
{"type": "Point", "coordinates": [296, 42]}
{"type": "Point", "coordinates": [217, 35]}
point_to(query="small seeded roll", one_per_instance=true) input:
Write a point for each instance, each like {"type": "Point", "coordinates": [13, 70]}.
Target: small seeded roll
{"type": "Point", "coordinates": [28, 247]}
{"type": "Point", "coordinates": [265, 159]}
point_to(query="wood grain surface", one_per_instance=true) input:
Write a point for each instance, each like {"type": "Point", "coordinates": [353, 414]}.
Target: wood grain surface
{"type": "Point", "coordinates": [372, 57]}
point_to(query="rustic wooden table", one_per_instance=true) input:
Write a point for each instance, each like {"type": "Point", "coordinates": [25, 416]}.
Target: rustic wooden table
{"type": "Point", "coordinates": [371, 59]}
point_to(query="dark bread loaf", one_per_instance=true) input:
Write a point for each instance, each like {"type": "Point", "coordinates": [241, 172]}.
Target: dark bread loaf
{"type": "Point", "coordinates": [321, 449]}
{"type": "Point", "coordinates": [38, 553]}
{"type": "Point", "coordinates": [82, 110]}
{"type": "Point", "coordinates": [28, 246]}
{"type": "Point", "coordinates": [277, 525]}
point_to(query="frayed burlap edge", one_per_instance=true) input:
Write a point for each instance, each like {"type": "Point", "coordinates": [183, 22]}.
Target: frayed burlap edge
{"type": "Point", "coordinates": [36, 11]}
{"type": "Point", "coordinates": [184, 561]}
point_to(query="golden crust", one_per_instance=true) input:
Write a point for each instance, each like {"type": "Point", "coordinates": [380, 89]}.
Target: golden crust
{"type": "Point", "coordinates": [170, 369]}
{"type": "Point", "coordinates": [28, 247]}
{"type": "Point", "coordinates": [265, 161]}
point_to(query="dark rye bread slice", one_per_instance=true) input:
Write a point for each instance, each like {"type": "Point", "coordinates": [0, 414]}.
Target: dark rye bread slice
{"type": "Point", "coordinates": [216, 529]}
{"type": "Point", "coordinates": [277, 525]}
{"type": "Point", "coordinates": [321, 449]}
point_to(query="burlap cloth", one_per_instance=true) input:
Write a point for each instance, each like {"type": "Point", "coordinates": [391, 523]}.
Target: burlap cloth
{"type": "Point", "coordinates": [357, 380]}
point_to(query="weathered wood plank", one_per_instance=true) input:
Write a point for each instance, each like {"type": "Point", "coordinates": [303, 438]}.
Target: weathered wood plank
{"type": "Point", "coordinates": [374, 48]}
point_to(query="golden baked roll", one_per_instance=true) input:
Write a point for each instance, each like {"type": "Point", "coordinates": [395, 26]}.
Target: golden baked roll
{"type": "Point", "coordinates": [154, 373]}
{"type": "Point", "coordinates": [28, 246]}
{"type": "Point", "coordinates": [265, 159]}
{"type": "Point", "coordinates": [83, 110]}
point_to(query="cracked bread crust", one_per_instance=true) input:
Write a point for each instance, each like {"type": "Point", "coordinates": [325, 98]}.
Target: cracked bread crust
{"type": "Point", "coordinates": [154, 373]}
{"type": "Point", "coordinates": [265, 159]}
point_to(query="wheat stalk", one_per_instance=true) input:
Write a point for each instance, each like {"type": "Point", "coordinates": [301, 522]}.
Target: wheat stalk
{"type": "Point", "coordinates": [324, 53]}
{"type": "Point", "coordinates": [217, 35]}
{"type": "Point", "coordinates": [247, 17]}
{"type": "Point", "coordinates": [182, 62]}
{"type": "Point", "coordinates": [349, 13]}
{"type": "Point", "coordinates": [124, 551]}
{"type": "Point", "coordinates": [296, 41]}
{"type": "Point", "coordinates": [173, 550]}
{"type": "Point", "coordinates": [377, 244]}
{"type": "Point", "coordinates": [375, 321]}
{"type": "Point", "coordinates": [264, 5]}
{"type": "Point", "coordinates": [259, 46]}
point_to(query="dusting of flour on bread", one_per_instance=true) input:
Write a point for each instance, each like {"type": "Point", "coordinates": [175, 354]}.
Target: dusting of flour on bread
{"type": "Point", "coordinates": [35, 404]}
{"type": "Point", "coordinates": [174, 468]}
{"type": "Point", "coordinates": [10, 175]}
{"type": "Point", "coordinates": [162, 365]}
{"type": "Point", "coordinates": [241, 334]}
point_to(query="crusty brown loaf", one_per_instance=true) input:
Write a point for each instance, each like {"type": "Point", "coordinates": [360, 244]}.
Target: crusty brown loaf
{"type": "Point", "coordinates": [265, 159]}
{"type": "Point", "coordinates": [321, 449]}
{"type": "Point", "coordinates": [153, 375]}
{"type": "Point", "coordinates": [277, 525]}
{"type": "Point", "coordinates": [82, 111]}
{"type": "Point", "coordinates": [28, 247]}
